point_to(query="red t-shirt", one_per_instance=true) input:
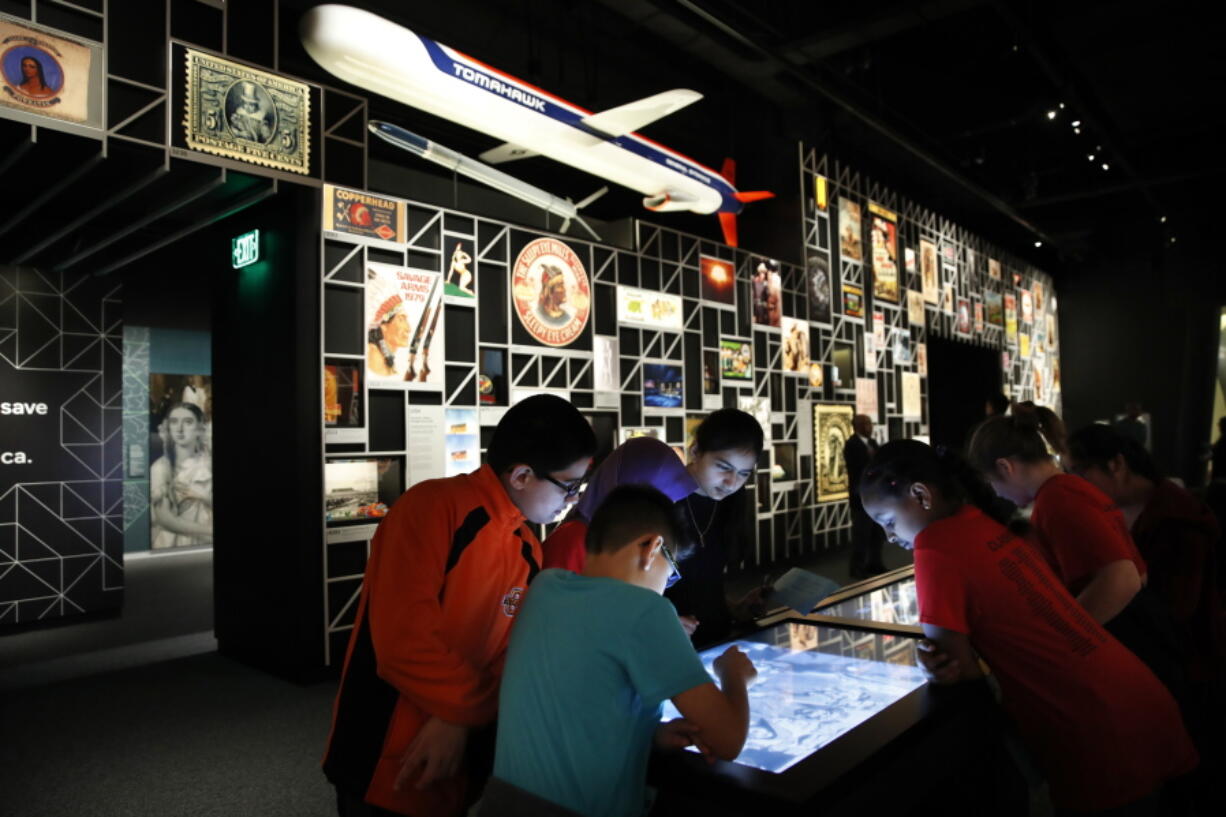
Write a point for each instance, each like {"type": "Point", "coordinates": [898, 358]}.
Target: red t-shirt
{"type": "Point", "coordinates": [1104, 729]}
{"type": "Point", "coordinates": [565, 547]}
{"type": "Point", "coordinates": [1080, 530]}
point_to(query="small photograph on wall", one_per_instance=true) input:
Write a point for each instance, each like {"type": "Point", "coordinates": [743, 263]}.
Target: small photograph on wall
{"type": "Point", "coordinates": [462, 441]}
{"type": "Point", "coordinates": [902, 348]}
{"type": "Point", "coordinates": [361, 490]}
{"type": "Point", "coordinates": [996, 311]}
{"type": "Point", "coordinates": [662, 386]}
{"type": "Point", "coordinates": [460, 281]}
{"type": "Point", "coordinates": [817, 270]}
{"type": "Point", "coordinates": [963, 322]}
{"type": "Point", "coordinates": [885, 253]}
{"type": "Point", "coordinates": [851, 230]}
{"type": "Point", "coordinates": [912, 397]}
{"type": "Point", "coordinates": [717, 280]}
{"type": "Point", "coordinates": [605, 365]}
{"type": "Point", "coordinates": [795, 353]}
{"type": "Point", "coordinates": [1037, 290]}
{"type": "Point", "coordinates": [766, 288]}
{"type": "Point", "coordinates": [915, 308]}
{"type": "Point", "coordinates": [404, 331]}
{"type": "Point", "coordinates": [831, 430]}
{"type": "Point", "coordinates": [735, 359]}
{"type": "Point", "coordinates": [930, 279]}
{"type": "Point", "coordinates": [947, 298]}
{"type": "Point", "coordinates": [630, 432]}
{"type": "Point", "coordinates": [1050, 334]}
{"type": "Point", "coordinates": [921, 359]}
{"type": "Point", "coordinates": [993, 269]}
{"type": "Point", "coordinates": [181, 450]}
{"type": "Point", "coordinates": [866, 397]}
{"type": "Point", "coordinates": [909, 263]}
{"type": "Point", "coordinates": [492, 378]}
{"type": "Point", "coordinates": [1023, 345]}
{"type": "Point", "coordinates": [760, 407]}
{"type": "Point", "coordinates": [853, 301]}
{"type": "Point", "coordinates": [343, 394]}
{"type": "Point", "coordinates": [1011, 319]}
{"type": "Point", "coordinates": [817, 375]}
{"type": "Point", "coordinates": [1027, 307]}
{"type": "Point", "coordinates": [977, 309]}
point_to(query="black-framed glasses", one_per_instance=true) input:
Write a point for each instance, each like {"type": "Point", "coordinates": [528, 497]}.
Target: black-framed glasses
{"type": "Point", "coordinates": [569, 488]}
{"type": "Point", "coordinates": [675, 575]}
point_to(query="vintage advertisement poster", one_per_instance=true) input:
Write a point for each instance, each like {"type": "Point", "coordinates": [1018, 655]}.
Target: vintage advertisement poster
{"type": "Point", "coordinates": [1023, 345]}
{"type": "Point", "coordinates": [795, 353]}
{"type": "Point", "coordinates": [817, 375]}
{"type": "Point", "coordinates": [921, 359]}
{"type": "Point", "coordinates": [460, 282]}
{"type": "Point", "coordinates": [350, 214]}
{"type": "Point", "coordinates": [915, 308]}
{"type": "Point", "coordinates": [1037, 289]}
{"type": "Point", "coordinates": [866, 397]}
{"type": "Point", "coordinates": [551, 294]}
{"type": "Point", "coordinates": [343, 403]}
{"type": "Point", "coordinates": [1011, 319]}
{"type": "Point", "coordinates": [246, 114]}
{"type": "Point", "coordinates": [977, 309]}
{"type": "Point", "coordinates": [902, 347]}
{"type": "Point", "coordinates": [851, 231]}
{"type": "Point", "coordinates": [1027, 307]}
{"type": "Point", "coordinates": [735, 359]}
{"type": "Point", "coordinates": [717, 280]}
{"type": "Point", "coordinates": [641, 307]}
{"type": "Point", "coordinates": [993, 269]}
{"type": "Point", "coordinates": [879, 328]}
{"type": "Point", "coordinates": [404, 330]}
{"type": "Point", "coordinates": [930, 278]}
{"type": "Point", "coordinates": [766, 289]}
{"type": "Point", "coordinates": [853, 301]}
{"type": "Point", "coordinates": [461, 441]}
{"type": "Point", "coordinates": [885, 252]}
{"type": "Point", "coordinates": [870, 352]}
{"type": "Point", "coordinates": [817, 271]}
{"type": "Point", "coordinates": [962, 323]}
{"type": "Point", "coordinates": [831, 430]}
{"type": "Point", "coordinates": [44, 74]}
{"type": "Point", "coordinates": [181, 452]}
{"type": "Point", "coordinates": [912, 399]}
{"type": "Point", "coordinates": [996, 311]}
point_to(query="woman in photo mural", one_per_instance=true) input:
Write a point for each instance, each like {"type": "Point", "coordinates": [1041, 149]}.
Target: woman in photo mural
{"type": "Point", "coordinates": [181, 481]}
{"type": "Point", "coordinates": [723, 456]}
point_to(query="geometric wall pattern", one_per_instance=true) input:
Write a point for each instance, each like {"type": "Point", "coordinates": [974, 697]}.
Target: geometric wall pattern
{"type": "Point", "coordinates": [61, 517]}
{"type": "Point", "coordinates": [136, 342]}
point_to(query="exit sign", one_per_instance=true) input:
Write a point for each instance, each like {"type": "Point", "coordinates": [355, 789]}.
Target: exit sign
{"type": "Point", "coordinates": [245, 249]}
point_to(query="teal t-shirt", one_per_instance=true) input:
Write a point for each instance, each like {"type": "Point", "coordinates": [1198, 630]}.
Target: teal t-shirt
{"type": "Point", "coordinates": [590, 662]}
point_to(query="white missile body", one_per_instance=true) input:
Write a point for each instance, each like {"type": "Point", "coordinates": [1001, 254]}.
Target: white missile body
{"type": "Point", "coordinates": [380, 56]}
{"type": "Point", "coordinates": [466, 166]}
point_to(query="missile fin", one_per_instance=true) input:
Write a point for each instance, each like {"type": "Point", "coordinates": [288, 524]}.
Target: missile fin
{"type": "Point", "coordinates": [506, 153]}
{"type": "Point", "coordinates": [642, 112]}
{"type": "Point", "coordinates": [727, 223]}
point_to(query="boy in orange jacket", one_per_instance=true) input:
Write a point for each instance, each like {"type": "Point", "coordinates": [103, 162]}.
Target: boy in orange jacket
{"type": "Point", "coordinates": [449, 567]}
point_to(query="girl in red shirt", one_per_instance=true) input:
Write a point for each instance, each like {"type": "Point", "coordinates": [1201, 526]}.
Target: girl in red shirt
{"type": "Point", "coordinates": [1104, 729]}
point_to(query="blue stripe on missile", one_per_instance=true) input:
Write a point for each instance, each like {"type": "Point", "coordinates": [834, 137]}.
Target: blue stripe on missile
{"type": "Point", "coordinates": [495, 85]}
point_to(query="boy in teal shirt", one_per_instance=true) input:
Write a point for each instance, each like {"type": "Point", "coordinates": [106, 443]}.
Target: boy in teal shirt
{"type": "Point", "coordinates": [592, 658]}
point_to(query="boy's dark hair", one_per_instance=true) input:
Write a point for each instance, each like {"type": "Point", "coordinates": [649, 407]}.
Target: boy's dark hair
{"type": "Point", "coordinates": [729, 429]}
{"type": "Point", "coordinates": [632, 511]}
{"type": "Point", "coordinates": [1029, 436]}
{"type": "Point", "coordinates": [1098, 444]}
{"type": "Point", "coordinates": [900, 464]}
{"type": "Point", "coordinates": [543, 431]}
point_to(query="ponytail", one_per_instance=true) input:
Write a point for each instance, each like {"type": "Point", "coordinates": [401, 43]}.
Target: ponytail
{"type": "Point", "coordinates": [1031, 434]}
{"type": "Point", "coordinates": [900, 464]}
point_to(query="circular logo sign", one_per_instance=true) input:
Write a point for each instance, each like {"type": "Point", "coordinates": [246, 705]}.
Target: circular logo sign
{"type": "Point", "coordinates": [552, 296]}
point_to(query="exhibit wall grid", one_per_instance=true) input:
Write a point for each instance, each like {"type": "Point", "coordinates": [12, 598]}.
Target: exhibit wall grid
{"type": "Point", "coordinates": [678, 326]}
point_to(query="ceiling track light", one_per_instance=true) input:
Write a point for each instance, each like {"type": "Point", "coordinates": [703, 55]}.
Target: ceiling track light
{"type": "Point", "coordinates": [1162, 220]}
{"type": "Point", "coordinates": [1051, 114]}
{"type": "Point", "coordinates": [1038, 244]}
{"type": "Point", "coordinates": [1106, 166]}
{"type": "Point", "coordinates": [1076, 123]}
{"type": "Point", "coordinates": [1061, 106]}
{"type": "Point", "coordinates": [1077, 131]}
{"type": "Point", "coordinates": [1090, 157]}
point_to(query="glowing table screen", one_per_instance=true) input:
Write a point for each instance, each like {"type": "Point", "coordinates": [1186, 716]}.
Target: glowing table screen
{"type": "Point", "coordinates": [815, 684]}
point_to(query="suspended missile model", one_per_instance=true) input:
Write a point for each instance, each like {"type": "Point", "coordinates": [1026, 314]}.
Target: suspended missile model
{"type": "Point", "coordinates": [495, 178]}
{"type": "Point", "coordinates": [381, 56]}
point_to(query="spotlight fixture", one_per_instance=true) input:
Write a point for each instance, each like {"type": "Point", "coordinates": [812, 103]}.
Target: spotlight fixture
{"type": "Point", "coordinates": [1090, 157]}
{"type": "Point", "coordinates": [1162, 220]}
{"type": "Point", "coordinates": [1076, 123]}
{"type": "Point", "coordinates": [1077, 131]}
{"type": "Point", "coordinates": [1172, 239]}
{"type": "Point", "coordinates": [1038, 244]}
{"type": "Point", "coordinates": [1061, 106]}
{"type": "Point", "coordinates": [1051, 114]}
{"type": "Point", "coordinates": [1106, 166]}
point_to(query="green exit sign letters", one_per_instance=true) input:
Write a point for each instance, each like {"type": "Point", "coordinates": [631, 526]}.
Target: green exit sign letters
{"type": "Point", "coordinates": [245, 249]}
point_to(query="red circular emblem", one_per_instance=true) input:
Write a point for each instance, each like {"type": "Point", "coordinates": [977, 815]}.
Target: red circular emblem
{"type": "Point", "coordinates": [551, 292]}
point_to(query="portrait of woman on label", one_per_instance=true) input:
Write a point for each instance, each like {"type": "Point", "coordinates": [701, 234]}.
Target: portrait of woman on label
{"type": "Point", "coordinates": [181, 480]}
{"type": "Point", "coordinates": [32, 72]}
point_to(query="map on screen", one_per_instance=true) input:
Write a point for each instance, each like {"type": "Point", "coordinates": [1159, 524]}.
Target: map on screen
{"type": "Point", "coordinates": [803, 700]}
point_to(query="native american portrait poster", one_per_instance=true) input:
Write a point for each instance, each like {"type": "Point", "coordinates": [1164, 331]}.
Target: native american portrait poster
{"type": "Point", "coordinates": [851, 231]}
{"type": "Point", "coordinates": [930, 279]}
{"type": "Point", "coordinates": [884, 232]}
{"type": "Point", "coordinates": [47, 74]}
{"type": "Point", "coordinates": [831, 429]}
{"type": "Point", "coordinates": [404, 327]}
{"type": "Point", "coordinates": [552, 296]}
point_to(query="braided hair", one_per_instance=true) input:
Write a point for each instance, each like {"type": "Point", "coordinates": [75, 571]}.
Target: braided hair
{"type": "Point", "coordinates": [900, 464]}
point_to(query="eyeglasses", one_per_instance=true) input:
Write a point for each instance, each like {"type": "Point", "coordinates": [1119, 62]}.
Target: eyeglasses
{"type": "Point", "coordinates": [675, 575]}
{"type": "Point", "coordinates": [569, 488]}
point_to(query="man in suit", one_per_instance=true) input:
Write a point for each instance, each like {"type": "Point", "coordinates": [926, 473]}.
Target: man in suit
{"type": "Point", "coordinates": [866, 537]}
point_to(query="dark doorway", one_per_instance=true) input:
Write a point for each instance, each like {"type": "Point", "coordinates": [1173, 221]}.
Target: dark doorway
{"type": "Point", "coordinates": [961, 377]}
